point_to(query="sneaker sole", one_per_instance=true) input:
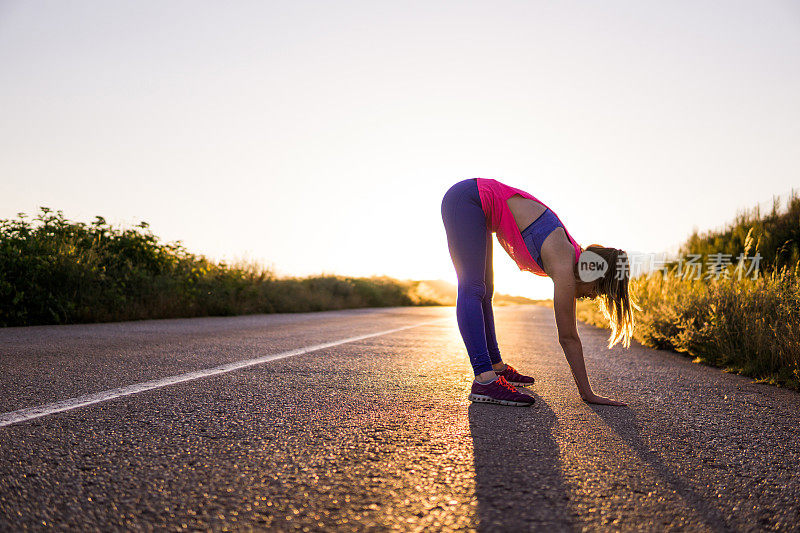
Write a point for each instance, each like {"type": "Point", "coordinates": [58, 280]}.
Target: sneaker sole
{"type": "Point", "coordinates": [488, 399]}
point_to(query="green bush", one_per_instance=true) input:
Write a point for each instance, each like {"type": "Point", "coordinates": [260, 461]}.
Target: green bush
{"type": "Point", "coordinates": [56, 271]}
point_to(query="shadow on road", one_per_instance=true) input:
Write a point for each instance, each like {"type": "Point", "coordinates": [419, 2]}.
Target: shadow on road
{"type": "Point", "coordinates": [519, 482]}
{"type": "Point", "coordinates": [624, 423]}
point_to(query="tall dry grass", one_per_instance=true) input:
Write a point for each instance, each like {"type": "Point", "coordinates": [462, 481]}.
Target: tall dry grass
{"type": "Point", "coordinates": [751, 327]}
{"type": "Point", "coordinates": [745, 325]}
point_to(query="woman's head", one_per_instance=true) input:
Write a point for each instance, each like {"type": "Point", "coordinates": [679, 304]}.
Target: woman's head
{"type": "Point", "coordinates": [610, 285]}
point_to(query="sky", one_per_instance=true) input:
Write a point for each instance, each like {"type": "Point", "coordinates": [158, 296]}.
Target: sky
{"type": "Point", "coordinates": [319, 137]}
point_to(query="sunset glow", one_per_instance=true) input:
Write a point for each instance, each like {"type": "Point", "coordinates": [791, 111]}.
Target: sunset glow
{"type": "Point", "coordinates": [320, 137]}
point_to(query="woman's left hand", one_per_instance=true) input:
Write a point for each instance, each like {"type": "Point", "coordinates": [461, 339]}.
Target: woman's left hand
{"type": "Point", "coordinates": [601, 400]}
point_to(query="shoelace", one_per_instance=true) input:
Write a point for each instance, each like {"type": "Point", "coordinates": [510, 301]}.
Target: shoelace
{"type": "Point", "coordinates": [510, 369]}
{"type": "Point", "coordinates": [502, 381]}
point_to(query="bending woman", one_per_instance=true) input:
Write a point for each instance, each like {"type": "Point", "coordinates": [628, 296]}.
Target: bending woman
{"type": "Point", "coordinates": [538, 242]}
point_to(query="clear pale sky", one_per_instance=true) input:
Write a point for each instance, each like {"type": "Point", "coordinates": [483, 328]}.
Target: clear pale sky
{"type": "Point", "coordinates": [320, 136]}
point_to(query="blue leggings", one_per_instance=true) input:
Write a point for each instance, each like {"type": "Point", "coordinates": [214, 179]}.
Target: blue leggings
{"type": "Point", "coordinates": [470, 245]}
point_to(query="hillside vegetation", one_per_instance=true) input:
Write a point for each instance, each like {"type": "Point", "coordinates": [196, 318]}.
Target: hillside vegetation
{"type": "Point", "coordinates": [775, 235]}
{"type": "Point", "coordinates": [56, 271]}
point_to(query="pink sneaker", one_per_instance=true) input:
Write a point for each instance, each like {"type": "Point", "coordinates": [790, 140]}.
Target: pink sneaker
{"type": "Point", "coordinates": [515, 378]}
{"type": "Point", "coordinates": [499, 391]}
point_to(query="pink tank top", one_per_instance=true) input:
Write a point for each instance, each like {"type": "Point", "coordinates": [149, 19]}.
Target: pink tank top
{"type": "Point", "coordinates": [500, 221]}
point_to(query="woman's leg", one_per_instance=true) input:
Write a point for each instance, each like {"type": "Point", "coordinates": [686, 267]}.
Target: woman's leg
{"type": "Point", "coordinates": [467, 235]}
{"type": "Point", "coordinates": [488, 313]}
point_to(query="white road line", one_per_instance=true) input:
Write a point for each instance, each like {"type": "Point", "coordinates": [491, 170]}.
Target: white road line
{"type": "Point", "coordinates": [21, 415]}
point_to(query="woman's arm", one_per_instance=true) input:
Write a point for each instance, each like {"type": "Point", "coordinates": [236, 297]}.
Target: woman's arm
{"type": "Point", "coordinates": [564, 307]}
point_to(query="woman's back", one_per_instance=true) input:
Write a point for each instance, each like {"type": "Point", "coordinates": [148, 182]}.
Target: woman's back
{"type": "Point", "coordinates": [525, 210]}
{"type": "Point", "coordinates": [497, 199]}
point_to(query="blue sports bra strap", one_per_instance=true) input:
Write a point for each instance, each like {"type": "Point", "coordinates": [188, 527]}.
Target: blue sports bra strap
{"type": "Point", "coordinates": [535, 234]}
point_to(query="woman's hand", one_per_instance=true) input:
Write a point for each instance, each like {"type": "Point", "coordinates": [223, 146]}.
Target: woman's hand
{"type": "Point", "coordinates": [600, 400]}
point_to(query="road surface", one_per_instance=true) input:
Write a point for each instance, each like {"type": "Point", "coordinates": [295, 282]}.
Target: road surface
{"type": "Point", "coordinates": [377, 433]}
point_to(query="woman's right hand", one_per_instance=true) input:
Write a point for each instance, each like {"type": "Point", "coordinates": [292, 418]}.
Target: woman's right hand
{"type": "Point", "coordinates": [601, 400]}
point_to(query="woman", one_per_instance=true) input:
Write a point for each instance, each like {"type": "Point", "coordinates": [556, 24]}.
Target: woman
{"type": "Point", "coordinates": [538, 242]}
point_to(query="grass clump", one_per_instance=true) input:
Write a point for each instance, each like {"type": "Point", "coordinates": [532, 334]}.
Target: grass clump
{"type": "Point", "coordinates": [57, 271]}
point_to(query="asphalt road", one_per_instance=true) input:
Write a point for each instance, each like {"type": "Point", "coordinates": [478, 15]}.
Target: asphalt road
{"type": "Point", "coordinates": [378, 434]}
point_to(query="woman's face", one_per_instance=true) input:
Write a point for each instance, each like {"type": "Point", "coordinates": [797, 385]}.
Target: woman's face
{"type": "Point", "coordinates": [585, 290]}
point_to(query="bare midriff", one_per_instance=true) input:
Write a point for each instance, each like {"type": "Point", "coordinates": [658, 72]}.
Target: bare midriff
{"type": "Point", "coordinates": [524, 210]}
